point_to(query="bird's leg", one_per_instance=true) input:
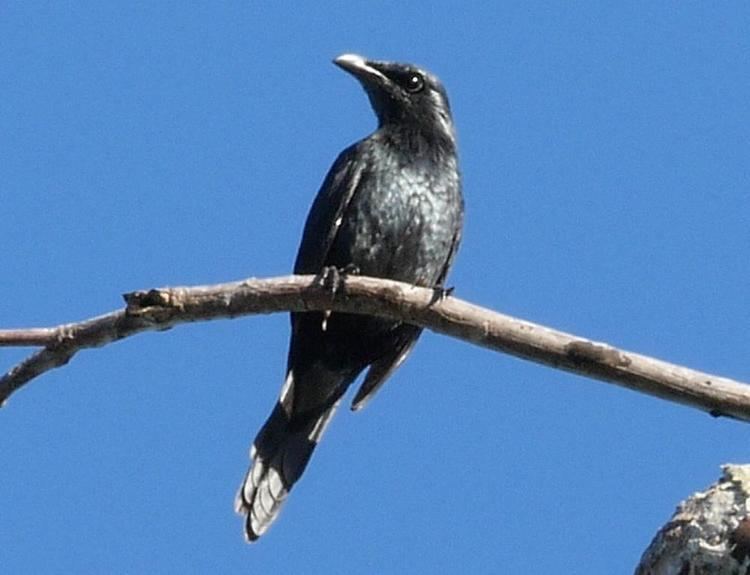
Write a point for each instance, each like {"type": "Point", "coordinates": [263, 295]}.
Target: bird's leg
{"type": "Point", "coordinates": [332, 279]}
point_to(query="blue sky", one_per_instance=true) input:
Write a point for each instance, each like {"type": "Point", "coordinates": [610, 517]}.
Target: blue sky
{"type": "Point", "coordinates": [605, 158]}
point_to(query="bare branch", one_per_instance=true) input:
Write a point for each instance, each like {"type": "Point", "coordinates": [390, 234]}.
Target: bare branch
{"type": "Point", "coordinates": [164, 308]}
{"type": "Point", "coordinates": [27, 337]}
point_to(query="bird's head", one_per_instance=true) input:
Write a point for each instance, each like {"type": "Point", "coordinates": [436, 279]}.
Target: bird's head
{"type": "Point", "coordinates": [403, 95]}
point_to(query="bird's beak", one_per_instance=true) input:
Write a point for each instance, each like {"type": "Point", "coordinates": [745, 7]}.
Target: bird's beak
{"type": "Point", "coordinates": [361, 69]}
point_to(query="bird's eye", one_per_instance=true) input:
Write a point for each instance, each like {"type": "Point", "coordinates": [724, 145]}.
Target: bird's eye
{"type": "Point", "coordinates": [414, 83]}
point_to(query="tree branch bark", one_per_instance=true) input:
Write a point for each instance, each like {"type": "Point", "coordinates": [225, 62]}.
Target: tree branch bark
{"type": "Point", "coordinates": [161, 309]}
{"type": "Point", "coordinates": [709, 532]}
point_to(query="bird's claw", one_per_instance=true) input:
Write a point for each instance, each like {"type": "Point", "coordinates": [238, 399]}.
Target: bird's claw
{"type": "Point", "coordinates": [440, 294]}
{"type": "Point", "coordinates": [350, 270]}
{"type": "Point", "coordinates": [332, 278]}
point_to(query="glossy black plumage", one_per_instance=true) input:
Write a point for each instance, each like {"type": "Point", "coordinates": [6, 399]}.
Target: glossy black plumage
{"type": "Point", "coordinates": [391, 207]}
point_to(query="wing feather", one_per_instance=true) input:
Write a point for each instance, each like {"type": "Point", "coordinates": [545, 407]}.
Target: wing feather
{"type": "Point", "coordinates": [328, 210]}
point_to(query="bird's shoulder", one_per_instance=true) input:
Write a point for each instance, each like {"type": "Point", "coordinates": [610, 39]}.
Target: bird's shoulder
{"type": "Point", "coordinates": [324, 217]}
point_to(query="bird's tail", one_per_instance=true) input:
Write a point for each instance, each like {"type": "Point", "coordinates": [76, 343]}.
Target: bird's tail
{"type": "Point", "coordinates": [279, 455]}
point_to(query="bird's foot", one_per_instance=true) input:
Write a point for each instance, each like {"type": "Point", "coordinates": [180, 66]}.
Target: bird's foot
{"type": "Point", "coordinates": [332, 278]}
{"type": "Point", "coordinates": [440, 294]}
{"type": "Point", "coordinates": [350, 270]}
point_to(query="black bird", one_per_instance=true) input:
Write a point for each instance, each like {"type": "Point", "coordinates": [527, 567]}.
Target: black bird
{"type": "Point", "coordinates": [390, 207]}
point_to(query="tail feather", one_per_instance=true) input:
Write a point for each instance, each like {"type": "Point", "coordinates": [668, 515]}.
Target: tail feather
{"type": "Point", "coordinates": [280, 454]}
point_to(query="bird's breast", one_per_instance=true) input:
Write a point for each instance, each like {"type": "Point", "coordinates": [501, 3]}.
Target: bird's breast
{"type": "Point", "coordinates": [402, 221]}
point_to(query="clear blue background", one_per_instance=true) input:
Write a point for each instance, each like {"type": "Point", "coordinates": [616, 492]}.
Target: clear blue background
{"type": "Point", "coordinates": [605, 156]}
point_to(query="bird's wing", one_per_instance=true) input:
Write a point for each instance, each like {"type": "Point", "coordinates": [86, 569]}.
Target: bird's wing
{"type": "Point", "coordinates": [328, 210]}
{"type": "Point", "coordinates": [451, 256]}
{"type": "Point", "coordinates": [382, 368]}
